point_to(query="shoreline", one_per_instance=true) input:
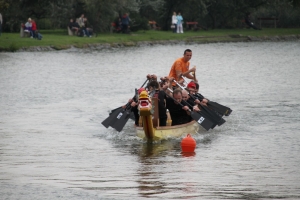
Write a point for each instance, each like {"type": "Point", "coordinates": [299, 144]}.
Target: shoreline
{"type": "Point", "coordinates": [190, 40]}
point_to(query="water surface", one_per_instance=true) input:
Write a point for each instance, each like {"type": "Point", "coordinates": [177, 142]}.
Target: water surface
{"type": "Point", "coordinates": [53, 146]}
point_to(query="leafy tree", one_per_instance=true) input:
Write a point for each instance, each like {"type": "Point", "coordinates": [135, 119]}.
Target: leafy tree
{"type": "Point", "coordinates": [4, 4]}
{"type": "Point", "coordinates": [102, 12]}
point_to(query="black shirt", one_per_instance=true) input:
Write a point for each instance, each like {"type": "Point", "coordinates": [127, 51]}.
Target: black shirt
{"type": "Point", "coordinates": [73, 24]}
{"type": "Point", "coordinates": [178, 115]}
{"type": "Point", "coordinates": [161, 96]}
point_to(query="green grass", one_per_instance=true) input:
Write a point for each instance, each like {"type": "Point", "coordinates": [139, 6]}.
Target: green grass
{"type": "Point", "coordinates": [59, 39]}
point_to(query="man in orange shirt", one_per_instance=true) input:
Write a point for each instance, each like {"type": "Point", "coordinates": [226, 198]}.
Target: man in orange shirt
{"type": "Point", "coordinates": [181, 67]}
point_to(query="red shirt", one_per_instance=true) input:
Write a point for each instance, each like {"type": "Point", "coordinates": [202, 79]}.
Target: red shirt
{"type": "Point", "coordinates": [33, 25]}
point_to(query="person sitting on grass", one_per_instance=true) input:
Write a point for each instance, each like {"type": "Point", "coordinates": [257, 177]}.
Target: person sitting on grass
{"type": "Point", "coordinates": [74, 26]}
{"type": "Point", "coordinates": [28, 27]}
{"type": "Point", "coordinates": [118, 25]}
{"type": "Point", "coordinates": [82, 26]}
{"type": "Point", "coordinates": [88, 27]}
{"type": "Point", "coordinates": [249, 23]}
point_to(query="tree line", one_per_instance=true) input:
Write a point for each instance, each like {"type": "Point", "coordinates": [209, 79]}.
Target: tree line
{"type": "Point", "coordinates": [212, 14]}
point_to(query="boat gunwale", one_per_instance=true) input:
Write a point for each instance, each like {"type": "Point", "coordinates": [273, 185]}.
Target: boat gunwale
{"type": "Point", "coordinates": [169, 127]}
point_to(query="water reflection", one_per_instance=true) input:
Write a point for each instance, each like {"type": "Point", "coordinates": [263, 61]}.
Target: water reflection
{"type": "Point", "coordinates": [152, 158]}
{"type": "Point", "coordinates": [188, 154]}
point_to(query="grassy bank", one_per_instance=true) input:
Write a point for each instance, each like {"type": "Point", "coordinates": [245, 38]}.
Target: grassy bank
{"type": "Point", "coordinates": [59, 39]}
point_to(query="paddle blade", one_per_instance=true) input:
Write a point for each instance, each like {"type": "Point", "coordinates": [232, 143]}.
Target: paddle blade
{"type": "Point", "coordinates": [200, 119]}
{"type": "Point", "coordinates": [208, 117]}
{"type": "Point", "coordinates": [121, 121]}
{"type": "Point", "coordinates": [223, 110]}
{"type": "Point", "coordinates": [110, 119]}
{"type": "Point", "coordinates": [212, 115]}
{"type": "Point", "coordinates": [222, 121]}
{"type": "Point", "coordinates": [112, 111]}
{"type": "Point", "coordinates": [132, 116]}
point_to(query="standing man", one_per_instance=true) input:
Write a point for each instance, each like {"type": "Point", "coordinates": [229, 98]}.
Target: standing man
{"type": "Point", "coordinates": [1, 22]}
{"type": "Point", "coordinates": [125, 23]}
{"type": "Point", "coordinates": [181, 67]}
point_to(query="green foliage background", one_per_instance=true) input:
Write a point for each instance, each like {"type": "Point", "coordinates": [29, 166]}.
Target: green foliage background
{"type": "Point", "coordinates": [53, 14]}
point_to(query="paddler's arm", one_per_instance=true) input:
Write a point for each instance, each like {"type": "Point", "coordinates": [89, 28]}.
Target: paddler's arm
{"type": "Point", "coordinates": [203, 101]}
{"type": "Point", "coordinates": [187, 73]}
{"type": "Point", "coordinates": [178, 77]}
{"type": "Point", "coordinates": [186, 108]}
{"type": "Point", "coordinates": [171, 79]}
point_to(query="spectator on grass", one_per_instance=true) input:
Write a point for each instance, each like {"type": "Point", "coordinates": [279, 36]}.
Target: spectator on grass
{"type": "Point", "coordinates": [33, 29]}
{"type": "Point", "coordinates": [82, 26]}
{"type": "Point", "coordinates": [174, 22]}
{"type": "Point", "coordinates": [28, 27]}
{"type": "Point", "coordinates": [125, 23]}
{"type": "Point", "coordinates": [118, 24]}
{"type": "Point", "coordinates": [74, 26]}
{"type": "Point", "coordinates": [88, 27]}
{"type": "Point", "coordinates": [179, 23]}
{"type": "Point", "coordinates": [249, 23]}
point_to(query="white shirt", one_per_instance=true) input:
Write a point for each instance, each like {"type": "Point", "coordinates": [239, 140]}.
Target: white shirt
{"type": "Point", "coordinates": [174, 19]}
{"type": "Point", "coordinates": [28, 24]}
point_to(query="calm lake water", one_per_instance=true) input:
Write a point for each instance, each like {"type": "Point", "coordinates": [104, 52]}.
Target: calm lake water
{"type": "Point", "coordinates": [53, 146]}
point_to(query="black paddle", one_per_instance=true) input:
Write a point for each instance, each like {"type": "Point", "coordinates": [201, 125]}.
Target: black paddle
{"type": "Point", "coordinates": [202, 112]}
{"type": "Point", "coordinates": [123, 116]}
{"type": "Point", "coordinates": [111, 117]}
{"type": "Point", "coordinates": [213, 115]}
{"type": "Point", "coordinates": [131, 114]}
{"type": "Point", "coordinates": [199, 118]}
{"type": "Point", "coordinates": [122, 120]}
{"type": "Point", "coordinates": [116, 112]}
{"type": "Point", "coordinates": [221, 109]}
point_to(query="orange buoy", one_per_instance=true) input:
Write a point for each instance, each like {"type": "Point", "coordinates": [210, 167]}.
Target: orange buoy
{"type": "Point", "coordinates": [188, 144]}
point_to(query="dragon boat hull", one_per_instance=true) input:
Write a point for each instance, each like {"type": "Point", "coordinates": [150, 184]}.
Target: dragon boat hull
{"type": "Point", "coordinates": [165, 132]}
{"type": "Point", "coordinates": [149, 127]}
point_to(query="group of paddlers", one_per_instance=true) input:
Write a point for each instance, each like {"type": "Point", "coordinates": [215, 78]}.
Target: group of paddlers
{"type": "Point", "coordinates": [176, 100]}
{"type": "Point", "coordinates": [177, 94]}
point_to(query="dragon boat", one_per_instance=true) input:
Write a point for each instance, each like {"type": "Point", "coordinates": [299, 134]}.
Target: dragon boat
{"type": "Point", "coordinates": [149, 122]}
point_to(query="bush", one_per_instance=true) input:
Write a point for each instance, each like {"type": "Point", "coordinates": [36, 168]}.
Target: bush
{"type": "Point", "coordinates": [139, 24]}
{"type": "Point", "coordinates": [288, 16]}
{"type": "Point", "coordinates": [44, 23]}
